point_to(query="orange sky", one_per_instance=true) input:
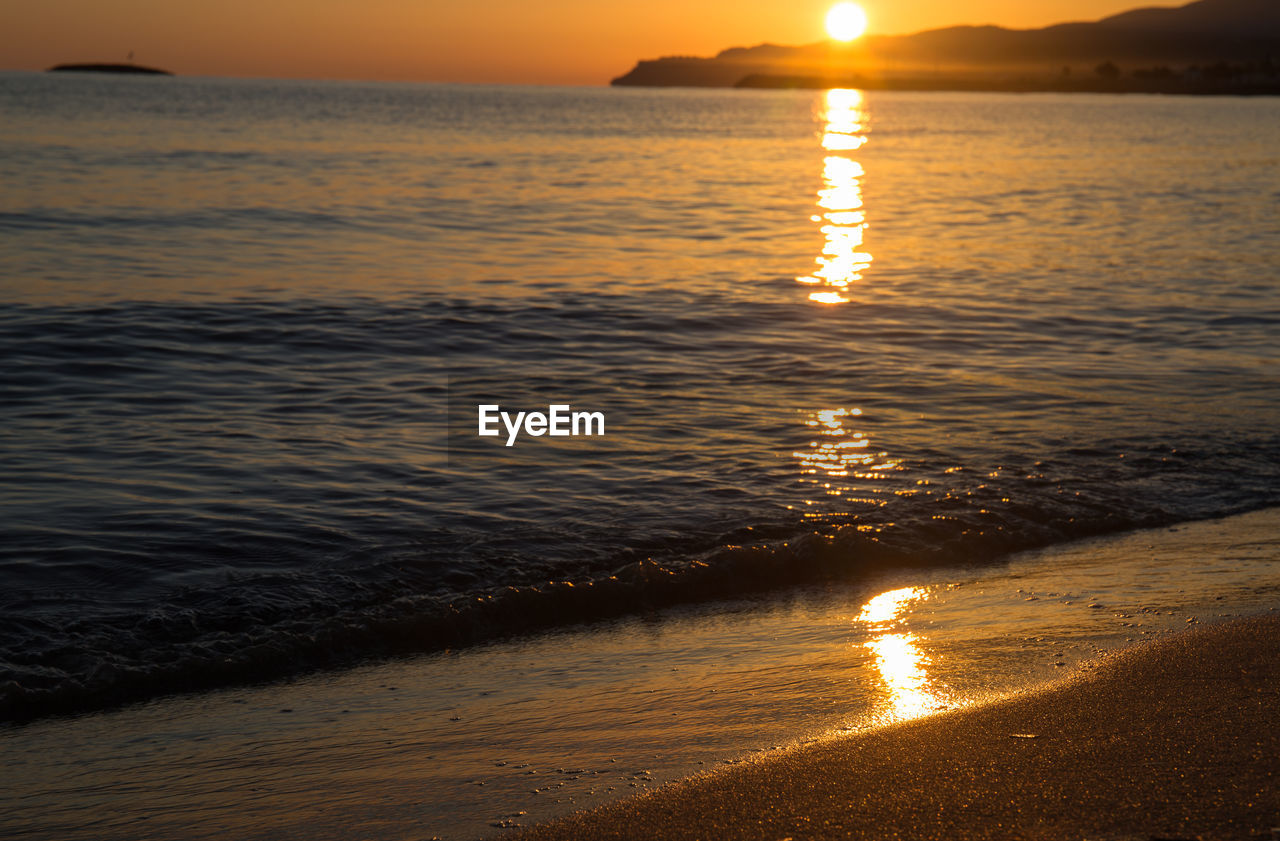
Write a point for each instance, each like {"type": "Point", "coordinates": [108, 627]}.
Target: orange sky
{"type": "Point", "coordinates": [517, 41]}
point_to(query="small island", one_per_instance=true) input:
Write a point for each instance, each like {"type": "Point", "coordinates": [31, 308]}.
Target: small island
{"type": "Point", "coordinates": [109, 68]}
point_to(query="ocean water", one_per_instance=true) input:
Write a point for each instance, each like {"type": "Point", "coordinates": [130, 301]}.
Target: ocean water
{"type": "Point", "coordinates": [245, 326]}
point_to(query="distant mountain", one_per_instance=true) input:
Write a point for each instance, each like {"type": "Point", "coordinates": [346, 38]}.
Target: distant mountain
{"type": "Point", "coordinates": [1205, 32]}
{"type": "Point", "coordinates": [1243, 18]}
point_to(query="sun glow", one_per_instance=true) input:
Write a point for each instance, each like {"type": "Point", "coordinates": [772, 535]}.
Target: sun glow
{"type": "Point", "coordinates": [846, 21]}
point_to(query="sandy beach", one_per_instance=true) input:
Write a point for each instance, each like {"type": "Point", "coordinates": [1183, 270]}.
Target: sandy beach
{"type": "Point", "coordinates": [1173, 740]}
{"type": "Point", "coordinates": [481, 742]}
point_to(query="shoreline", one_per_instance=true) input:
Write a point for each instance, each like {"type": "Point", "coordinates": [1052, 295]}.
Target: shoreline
{"type": "Point", "coordinates": [474, 743]}
{"type": "Point", "coordinates": [1172, 739]}
{"type": "Point", "coordinates": [530, 611]}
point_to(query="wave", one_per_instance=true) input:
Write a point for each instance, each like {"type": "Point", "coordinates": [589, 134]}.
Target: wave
{"type": "Point", "coordinates": [272, 626]}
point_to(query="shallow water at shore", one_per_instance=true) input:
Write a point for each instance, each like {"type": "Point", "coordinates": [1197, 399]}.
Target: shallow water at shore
{"type": "Point", "coordinates": [461, 744]}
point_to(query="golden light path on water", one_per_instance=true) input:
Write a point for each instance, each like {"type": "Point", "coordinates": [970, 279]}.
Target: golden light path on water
{"type": "Point", "coordinates": [840, 200]}
{"type": "Point", "coordinates": [898, 658]}
{"type": "Point", "coordinates": [841, 466]}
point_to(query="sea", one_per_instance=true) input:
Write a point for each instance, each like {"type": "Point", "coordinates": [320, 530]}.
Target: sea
{"type": "Point", "coordinates": [247, 326]}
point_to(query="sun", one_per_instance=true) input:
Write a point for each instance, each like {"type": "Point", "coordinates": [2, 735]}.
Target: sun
{"type": "Point", "coordinates": [846, 21]}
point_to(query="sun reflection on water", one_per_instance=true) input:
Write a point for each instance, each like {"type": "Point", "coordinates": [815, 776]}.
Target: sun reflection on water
{"type": "Point", "coordinates": [841, 464]}
{"type": "Point", "coordinates": [898, 657]}
{"type": "Point", "coordinates": [840, 200]}
{"type": "Point", "coordinates": [886, 607]}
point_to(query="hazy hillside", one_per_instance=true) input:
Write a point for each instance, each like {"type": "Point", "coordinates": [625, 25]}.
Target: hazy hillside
{"type": "Point", "coordinates": [1205, 32]}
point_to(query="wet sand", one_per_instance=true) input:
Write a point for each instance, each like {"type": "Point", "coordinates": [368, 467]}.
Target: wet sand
{"type": "Point", "coordinates": [470, 744]}
{"type": "Point", "coordinates": [1177, 739]}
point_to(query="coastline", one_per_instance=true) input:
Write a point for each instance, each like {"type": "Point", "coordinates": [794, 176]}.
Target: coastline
{"type": "Point", "coordinates": [941, 83]}
{"type": "Point", "coordinates": [716, 73]}
{"type": "Point", "coordinates": [477, 742]}
{"type": "Point", "coordinates": [1173, 739]}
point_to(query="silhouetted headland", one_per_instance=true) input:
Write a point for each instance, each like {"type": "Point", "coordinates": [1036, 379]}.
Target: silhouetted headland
{"type": "Point", "coordinates": [1208, 46]}
{"type": "Point", "coordinates": [109, 68]}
